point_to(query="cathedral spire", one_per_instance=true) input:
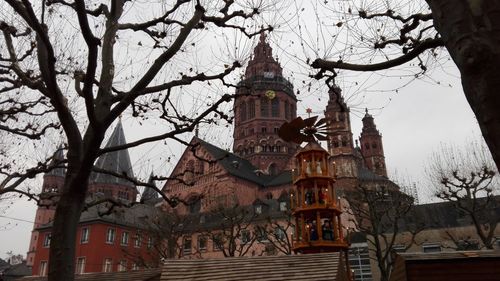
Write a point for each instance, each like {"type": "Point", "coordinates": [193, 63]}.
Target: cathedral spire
{"type": "Point", "coordinates": [149, 194]}
{"type": "Point", "coordinates": [371, 146]}
{"type": "Point", "coordinates": [340, 140]}
{"type": "Point", "coordinates": [58, 156]}
{"type": "Point", "coordinates": [115, 161]}
{"type": "Point", "coordinates": [263, 103]}
{"type": "Point", "coordinates": [263, 63]}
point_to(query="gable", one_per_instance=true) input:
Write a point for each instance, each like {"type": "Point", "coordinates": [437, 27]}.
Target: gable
{"type": "Point", "coordinates": [191, 164]}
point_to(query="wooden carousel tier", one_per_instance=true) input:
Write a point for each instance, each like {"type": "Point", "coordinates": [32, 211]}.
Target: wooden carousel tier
{"type": "Point", "coordinates": [323, 246]}
{"type": "Point", "coordinates": [323, 208]}
{"type": "Point", "coordinates": [317, 178]}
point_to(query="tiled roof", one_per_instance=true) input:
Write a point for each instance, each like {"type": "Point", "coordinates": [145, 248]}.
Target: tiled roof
{"type": "Point", "coordinates": [311, 267]}
{"type": "Point", "coordinates": [138, 275]}
{"type": "Point", "coordinates": [58, 156]}
{"type": "Point", "coordinates": [137, 216]}
{"type": "Point", "coordinates": [149, 194]}
{"type": "Point", "coordinates": [15, 271]}
{"type": "Point", "coordinates": [115, 161]}
{"type": "Point", "coordinates": [243, 169]}
{"type": "Point", "coordinates": [445, 214]}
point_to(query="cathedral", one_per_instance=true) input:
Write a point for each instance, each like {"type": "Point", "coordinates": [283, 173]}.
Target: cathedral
{"type": "Point", "coordinates": [256, 176]}
{"type": "Point", "coordinates": [260, 165]}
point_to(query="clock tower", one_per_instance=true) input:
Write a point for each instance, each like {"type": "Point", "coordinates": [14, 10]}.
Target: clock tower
{"type": "Point", "coordinates": [264, 101]}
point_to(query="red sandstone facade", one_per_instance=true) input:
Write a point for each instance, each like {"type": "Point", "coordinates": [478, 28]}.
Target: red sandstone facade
{"type": "Point", "coordinates": [264, 101]}
{"type": "Point", "coordinates": [100, 247]}
{"type": "Point", "coordinates": [371, 147]}
{"type": "Point", "coordinates": [260, 167]}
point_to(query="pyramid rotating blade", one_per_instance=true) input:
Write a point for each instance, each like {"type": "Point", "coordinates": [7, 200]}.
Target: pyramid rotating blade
{"type": "Point", "coordinates": [321, 137]}
{"type": "Point", "coordinates": [300, 138]}
{"type": "Point", "coordinates": [297, 123]}
{"type": "Point", "coordinates": [287, 132]}
{"type": "Point", "coordinates": [310, 121]}
{"type": "Point", "coordinates": [321, 122]}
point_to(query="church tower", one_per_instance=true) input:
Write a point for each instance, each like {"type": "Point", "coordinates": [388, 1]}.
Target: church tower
{"type": "Point", "coordinates": [53, 183]}
{"type": "Point", "coordinates": [340, 143]}
{"type": "Point", "coordinates": [117, 162]}
{"type": "Point", "coordinates": [264, 101]}
{"type": "Point", "coordinates": [371, 146]}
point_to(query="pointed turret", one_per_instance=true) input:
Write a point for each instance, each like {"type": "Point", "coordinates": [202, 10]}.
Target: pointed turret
{"type": "Point", "coordinates": [115, 161]}
{"type": "Point", "coordinates": [149, 194]}
{"type": "Point", "coordinates": [371, 146]}
{"type": "Point", "coordinates": [58, 157]}
{"type": "Point", "coordinates": [263, 63]}
{"type": "Point", "coordinates": [53, 183]}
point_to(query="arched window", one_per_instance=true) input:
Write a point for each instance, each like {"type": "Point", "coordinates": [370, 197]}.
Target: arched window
{"type": "Point", "coordinates": [264, 107]}
{"type": "Point", "coordinates": [367, 145]}
{"type": "Point", "coordinates": [272, 170]}
{"type": "Point", "coordinates": [292, 111]}
{"type": "Point", "coordinates": [344, 141]}
{"type": "Point", "coordinates": [275, 107]}
{"type": "Point", "coordinates": [287, 110]}
{"type": "Point", "coordinates": [195, 205]}
{"type": "Point", "coordinates": [269, 195]}
{"type": "Point", "coordinates": [374, 145]}
{"type": "Point", "coordinates": [243, 111]}
{"type": "Point", "coordinates": [251, 109]}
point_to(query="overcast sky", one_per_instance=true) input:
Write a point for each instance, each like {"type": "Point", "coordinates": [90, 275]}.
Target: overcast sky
{"type": "Point", "coordinates": [413, 119]}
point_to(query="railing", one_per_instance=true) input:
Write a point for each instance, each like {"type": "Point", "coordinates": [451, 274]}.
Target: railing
{"type": "Point", "coordinates": [276, 81]}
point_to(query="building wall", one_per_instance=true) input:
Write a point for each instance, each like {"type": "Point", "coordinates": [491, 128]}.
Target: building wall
{"type": "Point", "coordinates": [96, 250]}
{"type": "Point", "coordinates": [435, 240]}
{"type": "Point", "coordinates": [45, 212]}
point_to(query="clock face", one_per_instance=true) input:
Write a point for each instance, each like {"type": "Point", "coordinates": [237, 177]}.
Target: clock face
{"type": "Point", "coordinates": [270, 94]}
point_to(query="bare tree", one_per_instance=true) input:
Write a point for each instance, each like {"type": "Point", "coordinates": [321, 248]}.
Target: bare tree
{"type": "Point", "coordinates": [387, 34]}
{"type": "Point", "coordinates": [278, 227]}
{"type": "Point", "coordinates": [383, 215]}
{"type": "Point", "coordinates": [73, 67]}
{"type": "Point", "coordinates": [232, 230]}
{"type": "Point", "coordinates": [164, 232]}
{"type": "Point", "coordinates": [469, 179]}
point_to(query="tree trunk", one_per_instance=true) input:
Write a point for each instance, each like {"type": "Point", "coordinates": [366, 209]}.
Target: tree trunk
{"type": "Point", "coordinates": [81, 157]}
{"type": "Point", "coordinates": [471, 32]}
{"type": "Point", "coordinates": [64, 230]}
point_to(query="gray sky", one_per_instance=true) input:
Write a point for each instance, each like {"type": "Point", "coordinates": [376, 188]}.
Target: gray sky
{"type": "Point", "coordinates": [413, 120]}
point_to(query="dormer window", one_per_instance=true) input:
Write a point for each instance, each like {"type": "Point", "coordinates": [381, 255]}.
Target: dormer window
{"type": "Point", "coordinates": [258, 209]}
